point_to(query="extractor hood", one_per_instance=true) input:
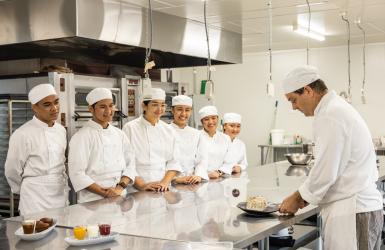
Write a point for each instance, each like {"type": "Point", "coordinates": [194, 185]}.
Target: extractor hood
{"type": "Point", "coordinates": [109, 32]}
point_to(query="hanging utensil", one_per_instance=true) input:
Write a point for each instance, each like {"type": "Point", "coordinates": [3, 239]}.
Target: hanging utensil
{"type": "Point", "coordinates": [358, 23]}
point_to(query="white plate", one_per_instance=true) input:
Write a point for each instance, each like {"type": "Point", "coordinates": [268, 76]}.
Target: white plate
{"type": "Point", "coordinates": [36, 236]}
{"type": "Point", "coordinates": [88, 241]}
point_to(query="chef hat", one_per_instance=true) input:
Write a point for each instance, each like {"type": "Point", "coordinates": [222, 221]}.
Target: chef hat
{"type": "Point", "coordinates": [40, 91]}
{"type": "Point", "coordinates": [232, 118]}
{"type": "Point", "coordinates": [98, 94]}
{"type": "Point", "coordinates": [299, 78]}
{"type": "Point", "coordinates": [155, 94]}
{"type": "Point", "coordinates": [181, 100]}
{"type": "Point", "coordinates": [207, 111]}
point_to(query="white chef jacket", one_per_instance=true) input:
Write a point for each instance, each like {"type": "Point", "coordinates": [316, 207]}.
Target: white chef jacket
{"type": "Point", "coordinates": [345, 162]}
{"type": "Point", "coordinates": [193, 155]}
{"type": "Point", "coordinates": [35, 166]}
{"type": "Point", "coordinates": [155, 148]}
{"type": "Point", "coordinates": [100, 156]}
{"type": "Point", "coordinates": [218, 152]}
{"type": "Point", "coordinates": [238, 153]}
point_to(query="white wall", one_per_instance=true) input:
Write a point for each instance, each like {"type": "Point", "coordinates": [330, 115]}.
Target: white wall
{"type": "Point", "coordinates": [242, 88]}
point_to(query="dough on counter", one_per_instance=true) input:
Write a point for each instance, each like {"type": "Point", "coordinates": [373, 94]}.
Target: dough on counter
{"type": "Point", "coordinates": [258, 203]}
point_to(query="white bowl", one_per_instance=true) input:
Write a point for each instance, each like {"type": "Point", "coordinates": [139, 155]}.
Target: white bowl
{"type": "Point", "coordinates": [36, 236]}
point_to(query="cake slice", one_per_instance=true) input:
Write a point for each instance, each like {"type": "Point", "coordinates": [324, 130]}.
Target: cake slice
{"type": "Point", "coordinates": [258, 203]}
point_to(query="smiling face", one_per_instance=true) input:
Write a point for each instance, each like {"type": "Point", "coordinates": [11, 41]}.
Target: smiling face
{"type": "Point", "coordinates": [305, 102]}
{"type": "Point", "coordinates": [210, 123]}
{"type": "Point", "coordinates": [181, 114]}
{"type": "Point", "coordinates": [103, 111]}
{"type": "Point", "coordinates": [232, 129]}
{"type": "Point", "coordinates": [154, 109]}
{"type": "Point", "coordinates": [47, 109]}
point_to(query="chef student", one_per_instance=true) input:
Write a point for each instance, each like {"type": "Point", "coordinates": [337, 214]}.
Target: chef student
{"type": "Point", "coordinates": [34, 167]}
{"type": "Point", "coordinates": [343, 179]}
{"type": "Point", "coordinates": [192, 145]}
{"type": "Point", "coordinates": [219, 159]}
{"type": "Point", "coordinates": [101, 159]}
{"type": "Point", "coordinates": [232, 128]}
{"type": "Point", "coordinates": [155, 144]}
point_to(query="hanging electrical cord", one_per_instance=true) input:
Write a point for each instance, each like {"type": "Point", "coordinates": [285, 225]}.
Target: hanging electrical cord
{"type": "Point", "coordinates": [308, 31]}
{"type": "Point", "coordinates": [270, 41]}
{"type": "Point", "coordinates": [363, 99]}
{"type": "Point", "coordinates": [148, 40]}
{"type": "Point", "coordinates": [344, 18]}
{"type": "Point", "coordinates": [208, 43]}
{"type": "Point", "coordinates": [270, 85]}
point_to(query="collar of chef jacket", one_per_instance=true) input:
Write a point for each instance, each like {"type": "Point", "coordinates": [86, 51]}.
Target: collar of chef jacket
{"type": "Point", "coordinates": [42, 124]}
{"type": "Point", "coordinates": [324, 100]}
{"type": "Point", "coordinates": [91, 123]}
{"type": "Point", "coordinates": [177, 127]}
{"type": "Point", "coordinates": [147, 123]}
{"type": "Point", "coordinates": [208, 136]}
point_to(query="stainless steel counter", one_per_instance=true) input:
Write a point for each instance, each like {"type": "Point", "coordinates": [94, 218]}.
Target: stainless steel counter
{"type": "Point", "coordinates": [55, 240]}
{"type": "Point", "coordinates": [204, 213]}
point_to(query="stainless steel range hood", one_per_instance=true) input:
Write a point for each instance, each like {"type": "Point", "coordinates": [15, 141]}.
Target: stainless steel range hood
{"type": "Point", "coordinates": [109, 32]}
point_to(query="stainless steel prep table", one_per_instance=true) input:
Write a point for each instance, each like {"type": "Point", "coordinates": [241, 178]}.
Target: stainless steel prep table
{"type": "Point", "coordinates": [278, 151]}
{"type": "Point", "coordinates": [206, 212]}
{"type": "Point", "coordinates": [203, 213]}
{"type": "Point", "coordinates": [55, 240]}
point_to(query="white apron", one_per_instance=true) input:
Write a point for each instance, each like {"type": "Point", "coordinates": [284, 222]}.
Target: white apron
{"type": "Point", "coordinates": [339, 225]}
{"type": "Point", "coordinates": [41, 193]}
{"type": "Point", "coordinates": [155, 172]}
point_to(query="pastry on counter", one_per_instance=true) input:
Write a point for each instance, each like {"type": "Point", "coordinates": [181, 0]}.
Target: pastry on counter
{"type": "Point", "coordinates": [258, 203]}
{"type": "Point", "coordinates": [47, 220]}
{"type": "Point", "coordinates": [41, 226]}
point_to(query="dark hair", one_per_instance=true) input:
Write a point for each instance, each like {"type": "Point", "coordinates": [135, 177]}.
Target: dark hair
{"type": "Point", "coordinates": [318, 86]}
{"type": "Point", "coordinates": [146, 102]}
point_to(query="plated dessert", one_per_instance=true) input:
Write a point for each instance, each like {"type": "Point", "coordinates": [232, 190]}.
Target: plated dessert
{"type": "Point", "coordinates": [35, 229]}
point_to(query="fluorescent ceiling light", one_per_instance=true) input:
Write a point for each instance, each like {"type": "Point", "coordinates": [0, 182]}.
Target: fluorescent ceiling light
{"type": "Point", "coordinates": [312, 34]}
{"type": "Point", "coordinates": [311, 4]}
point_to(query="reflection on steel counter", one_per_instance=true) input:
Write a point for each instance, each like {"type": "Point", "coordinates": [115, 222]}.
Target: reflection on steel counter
{"type": "Point", "coordinates": [195, 213]}
{"type": "Point", "coordinates": [55, 240]}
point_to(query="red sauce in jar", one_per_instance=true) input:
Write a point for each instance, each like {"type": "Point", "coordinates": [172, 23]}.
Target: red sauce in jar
{"type": "Point", "coordinates": [104, 229]}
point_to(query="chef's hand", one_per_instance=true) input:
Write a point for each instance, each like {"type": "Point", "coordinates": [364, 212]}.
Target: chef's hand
{"type": "Point", "coordinates": [214, 174]}
{"type": "Point", "coordinates": [112, 192]}
{"type": "Point", "coordinates": [303, 204]}
{"type": "Point", "coordinates": [236, 169]}
{"type": "Point", "coordinates": [182, 180]}
{"type": "Point", "coordinates": [151, 186]}
{"type": "Point", "coordinates": [193, 179]}
{"type": "Point", "coordinates": [291, 204]}
{"type": "Point", "coordinates": [163, 186]}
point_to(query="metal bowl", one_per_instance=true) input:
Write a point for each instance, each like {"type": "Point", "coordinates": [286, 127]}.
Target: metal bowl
{"type": "Point", "coordinates": [299, 158]}
{"type": "Point", "coordinates": [298, 171]}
